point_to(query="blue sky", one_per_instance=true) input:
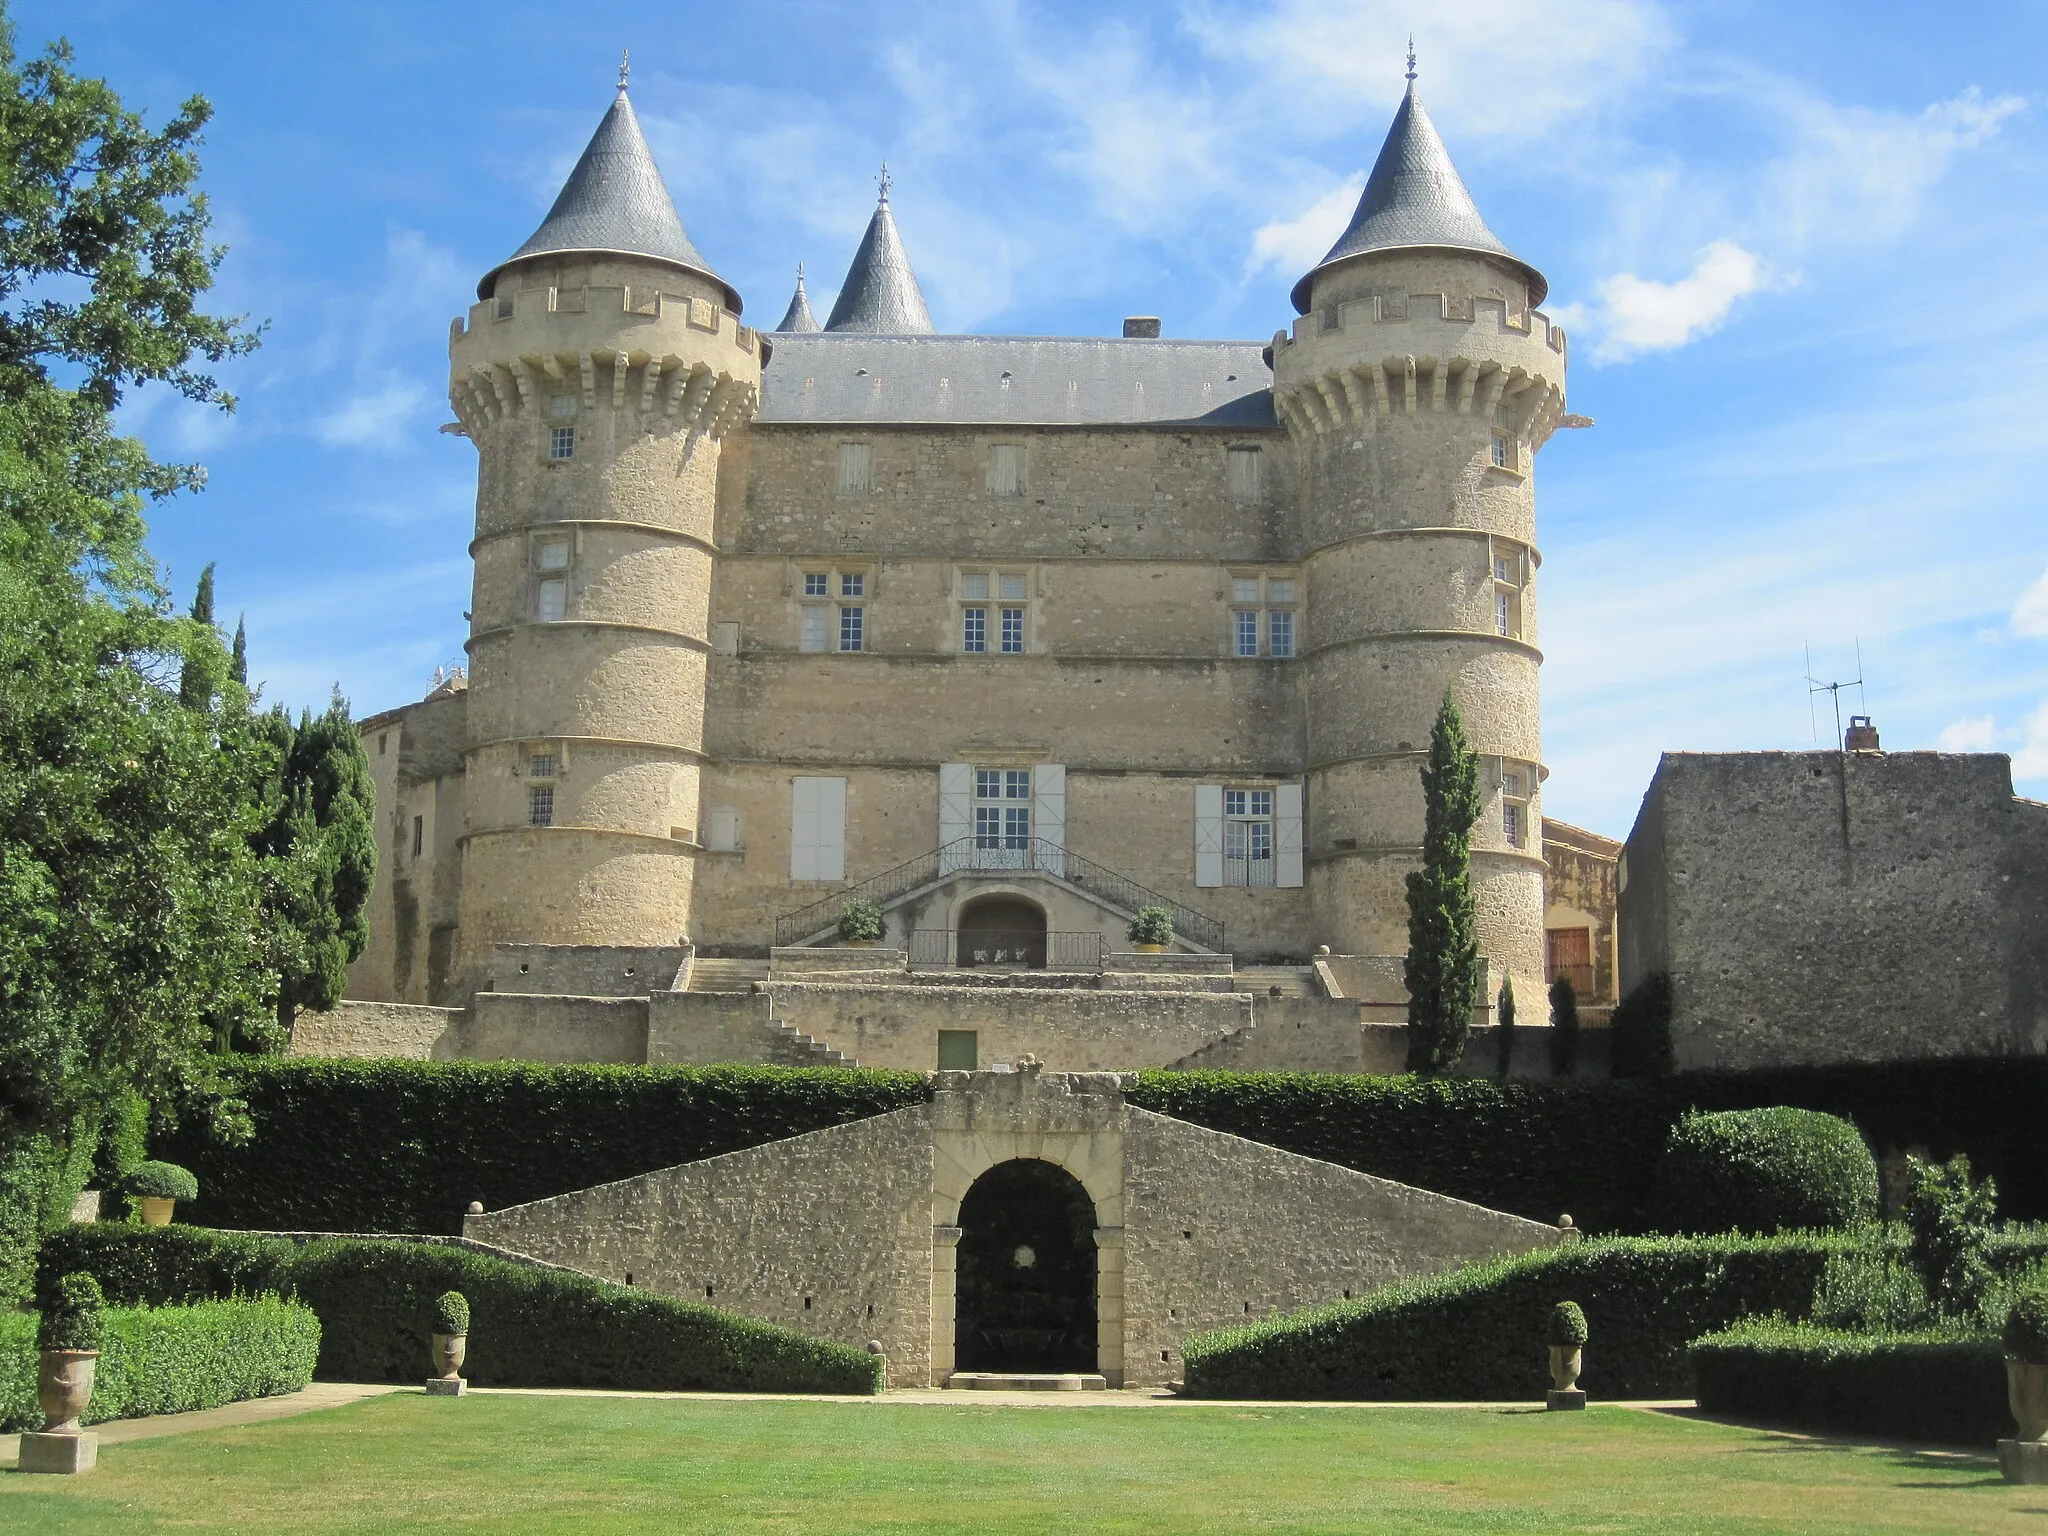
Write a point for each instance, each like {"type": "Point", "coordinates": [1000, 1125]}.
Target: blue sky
{"type": "Point", "coordinates": [1799, 249]}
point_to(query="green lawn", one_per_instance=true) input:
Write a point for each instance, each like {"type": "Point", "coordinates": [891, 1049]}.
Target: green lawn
{"type": "Point", "coordinates": [579, 1464]}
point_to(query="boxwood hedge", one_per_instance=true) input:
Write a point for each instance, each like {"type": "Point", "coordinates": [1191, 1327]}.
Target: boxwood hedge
{"type": "Point", "coordinates": [1764, 1170]}
{"type": "Point", "coordinates": [532, 1327]}
{"type": "Point", "coordinates": [1907, 1386]}
{"type": "Point", "coordinates": [171, 1359]}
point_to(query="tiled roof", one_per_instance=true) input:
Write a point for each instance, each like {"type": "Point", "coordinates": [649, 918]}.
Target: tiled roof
{"type": "Point", "coordinates": [880, 296]}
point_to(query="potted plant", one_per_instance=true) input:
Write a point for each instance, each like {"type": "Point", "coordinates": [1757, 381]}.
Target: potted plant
{"type": "Point", "coordinates": [2026, 1360]}
{"type": "Point", "coordinates": [861, 924]}
{"type": "Point", "coordinates": [159, 1187]}
{"type": "Point", "coordinates": [1567, 1336]}
{"type": "Point", "coordinates": [1151, 930]}
{"type": "Point", "coordinates": [68, 1346]}
{"type": "Point", "coordinates": [451, 1344]}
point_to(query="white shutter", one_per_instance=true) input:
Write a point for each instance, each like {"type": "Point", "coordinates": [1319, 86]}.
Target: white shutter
{"type": "Point", "coordinates": [1208, 834]}
{"type": "Point", "coordinates": [803, 829]}
{"type": "Point", "coordinates": [831, 829]}
{"type": "Point", "coordinates": [956, 814]}
{"type": "Point", "coordinates": [1049, 816]}
{"type": "Point", "coordinates": [1287, 834]}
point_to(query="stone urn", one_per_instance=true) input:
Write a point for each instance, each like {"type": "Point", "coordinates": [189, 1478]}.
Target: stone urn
{"type": "Point", "coordinates": [448, 1350]}
{"type": "Point", "coordinates": [1564, 1367]}
{"type": "Point", "coordinates": [2026, 1392]}
{"type": "Point", "coordinates": [156, 1211]}
{"type": "Point", "coordinates": [64, 1387]}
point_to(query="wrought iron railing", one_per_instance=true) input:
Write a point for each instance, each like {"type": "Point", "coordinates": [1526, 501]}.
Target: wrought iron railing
{"type": "Point", "coordinates": [968, 853]}
{"type": "Point", "coordinates": [1037, 949]}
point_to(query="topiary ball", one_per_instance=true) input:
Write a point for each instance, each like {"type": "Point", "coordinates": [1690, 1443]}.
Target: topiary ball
{"type": "Point", "coordinates": [2026, 1324]}
{"type": "Point", "coordinates": [162, 1181]}
{"type": "Point", "coordinates": [71, 1314]}
{"type": "Point", "coordinates": [1764, 1170]}
{"type": "Point", "coordinates": [1567, 1325]}
{"type": "Point", "coordinates": [451, 1313]}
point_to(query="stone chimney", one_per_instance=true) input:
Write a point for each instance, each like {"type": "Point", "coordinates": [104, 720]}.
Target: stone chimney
{"type": "Point", "coordinates": [1141, 327]}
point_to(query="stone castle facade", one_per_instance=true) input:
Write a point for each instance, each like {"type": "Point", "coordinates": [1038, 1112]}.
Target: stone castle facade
{"type": "Point", "coordinates": [1013, 635]}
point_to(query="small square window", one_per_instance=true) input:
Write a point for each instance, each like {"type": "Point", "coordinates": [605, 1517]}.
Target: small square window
{"type": "Point", "coordinates": [554, 555]}
{"type": "Point", "coordinates": [816, 583]}
{"type": "Point", "coordinates": [815, 624]}
{"type": "Point", "coordinates": [419, 835]}
{"type": "Point", "coordinates": [974, 584]}
{"type": "Point", "coordinates": [1013, 631]}
{"type": "Point", "coordinates": [554, 600]}
{"type": "Point", "coordinates": [850, 629]}
{"type": "Point", "coordinates": [1501, 418]}
{"type": "Point", "coordinates": [1511, 785]}
{"type": "Point", "coordinates": [1280, 589]}
{"type": "Point", "coordinates": [988, 784]}
{"type": "Point", "coordinates": [851, 583]}
{"type": "Point", "coordinates": [561, 442]}
{"type": "Point", "coordinates": [541, 766]}
{"type": "Point", "coordinates": [1017, 784]}
{"type": "Point", "coordinates": [1244, 589]}
{"type": "Point", "coordinates": [1502, 571]}
{"type": "Point", "coordinates": [1280, 632]}
{"type": "Point", "coordinates": [561, 407]}
{"type": "Point", "coordinates": [540, 806]}
{"type": "Point", "coordinates": [1233, 802]}
{"type": "Point", "coordinates": [1261, 802]}
{"type": "Point", "coordinates": [1012, 588]}
{"type": "Point", "coordinates": [1247, 632]}
{"type": "Point", "coordinates": [973, 629]}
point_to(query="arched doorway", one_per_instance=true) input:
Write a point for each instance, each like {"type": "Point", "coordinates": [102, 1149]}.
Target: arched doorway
{"type": "Point", "coordinates": [1025, 1298]}
{"type": "Point", "coordinates": [1002, 930]}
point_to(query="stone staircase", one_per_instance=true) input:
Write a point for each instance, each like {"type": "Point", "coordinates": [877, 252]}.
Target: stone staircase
{"type": "Point", "coordinates": [1277, 981]}
{"type": "Point", "coordinates": [794, 1048]}
{"type": "Point", "coordinates": [726, 975]}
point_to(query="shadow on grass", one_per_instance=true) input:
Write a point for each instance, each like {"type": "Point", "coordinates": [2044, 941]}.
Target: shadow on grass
{"type": "Point", "coordinates": [1905, 1455]}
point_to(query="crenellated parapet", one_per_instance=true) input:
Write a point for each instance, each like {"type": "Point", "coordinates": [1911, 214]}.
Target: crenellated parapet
{"type": "Point", "coordinates": [684, 364]}
{"type": "Point", "coordinates": [1352, 366]}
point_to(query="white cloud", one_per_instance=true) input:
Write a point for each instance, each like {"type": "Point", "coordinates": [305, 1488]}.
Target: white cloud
{"type": "Point", "coordinates": [2030, 761]}
{"type": "Point", "coordinates": [2030, 613]}
{"type": "Point", "coordinates": [1294, 245]}
{"type": "Point", "coordinates": [1637, 315]}
{"type": "Point", "coordinates": [379, 418]}
{"type": "Point", "coordinates": [1975, 733]}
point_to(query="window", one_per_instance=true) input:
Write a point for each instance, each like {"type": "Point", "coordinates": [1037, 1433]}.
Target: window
{"type": "Point", "coordinates": [856, 469]}
{"type": "Point", "coordinates": [1243, 470]}
{"type": "Point", "coordinates": [722, 830]}
{"type": "Point", "coordinates": [974, 584]}
{"type": "Point", "coordinates": [814, 629]}
{"type": "Point", "coordinates": [1500, 454]}
{"type": "Point", "coordinates": [851, 621]}
{"type": "Point", "coordinates": [561, 442]}
{"type": "Point", "coordinates": [825, 625]}
{"type": "Point", "coordinates": [552, 554]}
{"type": "Point", "coordinates": [1248, 632]}
{"type": "Point", "coordinates": [419, 835]}
{"type": "Point", "coordinates": [1274, 597]}
{"type": "Point", "coordinates": [554, 600]}
{"type": "Point", "coordinates": [958, 1050]}
{"type": "Point", "coordinates": [1280, 632]}
{"type": "Point", "coordinates": [1013, 631]}
{"type": "Point", "coordinates": [561, 407]}
{"type": "Point", "coordinates": [383, 740]}
{"type": "Point", "coordinates": [541, 766]}
{"type": "Point", "coordinates": [1514, 807]}
{"type": "Point", "coordinates": [817, 829]}
{"type": "Point", "coordinates": [1006, 469]}
{"type": "Point", "coordinates": [1510, 578]}
{"type": "Point", "coordinates": [973, 630]}
{"type": "Point", "coordinates": [540, 805]}
{"type": "Point", "coordinates": [1245, 590]}
{"type": "Point", "coordinates": [1503, 613]}
{"type": "Point", "coordinates": [817, 583]}
{"type": "Point", "coordinates": [1502, 448]}
{"type": "Point", "coordinates": [1247, 837]}
{"type": "Point", "coordinates": [1002, 808]}
{"type": "Point", "coordinates": [1013, 588]}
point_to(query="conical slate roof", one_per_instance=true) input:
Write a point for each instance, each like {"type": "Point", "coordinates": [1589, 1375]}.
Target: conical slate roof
{"type": "Point", "coordinates": [798, 316]}
{"type": "Point", "coordinates": [1416, 200]}
{"type": "Point", "coordinates": [880, 296]}
{"type": "Point", "coordinates": [615, 203]}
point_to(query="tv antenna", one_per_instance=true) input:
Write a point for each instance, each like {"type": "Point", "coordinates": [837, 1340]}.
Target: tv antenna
{"type": "Point", "coordinates": [1833, 691]}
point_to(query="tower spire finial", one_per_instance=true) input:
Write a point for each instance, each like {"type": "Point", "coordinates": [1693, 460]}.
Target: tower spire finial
{"type": "Point", "coordinates": [883, 181]}
{"type": "Point", "coordinates": [1411, 55]}
{"type": "Point", "coordinates": [625, 68]}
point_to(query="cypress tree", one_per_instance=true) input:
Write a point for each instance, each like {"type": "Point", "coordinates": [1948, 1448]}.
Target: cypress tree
{"type": "Point", "coordinates": [1505, 1017]}
{"type": "Point", "coordinates": [1564, 1027]}
{"type": "Point", "coordinates": [238, 662]}
{"type": "Point", "coordinates": [196, 682]}
{"type": "Point", "coordinates": [1442, 968]}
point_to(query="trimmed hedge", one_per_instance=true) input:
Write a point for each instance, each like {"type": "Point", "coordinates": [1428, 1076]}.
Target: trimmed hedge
{"type": "Point", "coordinates": [1765, 1170]}
{"type": "Point", "coordinates": [1478, 1333]}
{"type": "Point", "coordinates": [531, 1327]}
{"type": "Point", "coordinates": [1590, 1147]}
{"type": "Point", "coordinates": [404, 1146]}
{"type": "Point", "coordinates": [171, 1359]}
{"type": "Point", "coordinates": [1907, 1386]}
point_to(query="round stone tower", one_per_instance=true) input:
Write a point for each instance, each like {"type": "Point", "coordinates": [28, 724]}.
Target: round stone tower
{"type": "Point", "coordinates": [596, 377]}
{"type": "Point", "coordinates": [1417, 387]}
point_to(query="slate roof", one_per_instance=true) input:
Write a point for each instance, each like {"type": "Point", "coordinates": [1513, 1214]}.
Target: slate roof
{"type": "Point", "coordinates": [1017, 381]}
{"type": "Point", "coordinates": [798, 319]}
{"type": "Point", "coordinates": [880, 296]}
{"type": "Point", "coordinates": [615, 203]}
{"type": "Point", "coordinates": [1415, 199]}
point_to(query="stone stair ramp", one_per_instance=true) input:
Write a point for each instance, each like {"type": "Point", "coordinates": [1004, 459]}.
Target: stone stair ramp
{"type": "Point", "coordinates": [797, 1049]}
{"type": "Point", "coordinates": [726, 975]}
{"type": "Point", "coordinates": [1277, 981]}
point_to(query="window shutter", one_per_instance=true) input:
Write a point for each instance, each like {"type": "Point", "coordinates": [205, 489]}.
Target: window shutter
{"type": "Point", "coordinates": [831, 829]}
{"type": "Point", "coordinates": [803, 829]}
{"type": "Point", "coordinates": [1287, 834]}
{"type": "Point", "coordinates": [1208, 834]}
{"type": "Point", "coordinates": [1049, 815]}
{"type": "Point", "coordinates": [956, 814]}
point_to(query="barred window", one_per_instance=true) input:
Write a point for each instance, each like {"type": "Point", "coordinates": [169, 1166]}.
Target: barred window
{"type": "Point", "coordinates": [540, 806]}
{"type": "Point", "coordinates": [541, 766]}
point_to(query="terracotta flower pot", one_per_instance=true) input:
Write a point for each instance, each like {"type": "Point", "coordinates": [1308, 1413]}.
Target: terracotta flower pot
{"type": "Point", "coordinates": [1564, 1366]}
{"type": "Point", "coordinates": [64, 1387]}
{"type": "Point", "coordinates": [2026, 1391]}
{"type": "Point", "coordinates": [448, 1350]}
{"type": "Point", "coordinates": [156, 1212]}
{"type": "Point", "coordinates": [1151, 949]}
